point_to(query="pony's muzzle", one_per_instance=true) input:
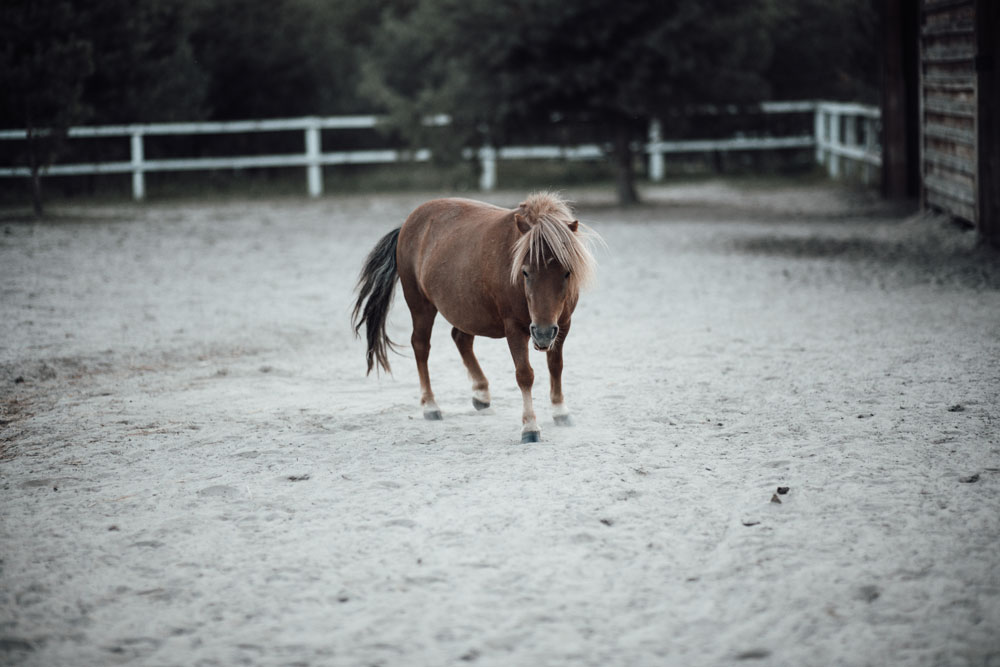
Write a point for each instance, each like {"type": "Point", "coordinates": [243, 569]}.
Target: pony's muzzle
{"type": "Point", "coordinates": [543, 337]}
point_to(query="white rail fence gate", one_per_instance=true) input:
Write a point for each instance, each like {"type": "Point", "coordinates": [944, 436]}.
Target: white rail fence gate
{"type": "Point", "coordinates": [844, 136]}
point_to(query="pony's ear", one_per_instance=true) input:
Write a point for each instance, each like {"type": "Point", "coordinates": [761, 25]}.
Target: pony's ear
{"type": "Point", "coordinates": [522, 224]}
{"type": "Point", "coordinates": [573, 226]}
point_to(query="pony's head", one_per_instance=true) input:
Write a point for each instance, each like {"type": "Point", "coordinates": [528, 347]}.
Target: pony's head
{"type": "Point", "coordinates": [551, 261]}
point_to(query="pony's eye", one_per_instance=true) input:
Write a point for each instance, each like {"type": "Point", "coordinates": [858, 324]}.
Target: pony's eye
{"type": "Point", "coordinates": [567, 275]}
{"type": "Point", "coordinates": [524, 272]}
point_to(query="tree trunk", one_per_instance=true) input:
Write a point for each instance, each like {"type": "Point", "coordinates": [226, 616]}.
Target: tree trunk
{"type": "Point", "coordinates": [624, 174]}
{"type": "Point", "coordinates": [35, 167]}
{"type": "Point", "coordinates": [36, 190]}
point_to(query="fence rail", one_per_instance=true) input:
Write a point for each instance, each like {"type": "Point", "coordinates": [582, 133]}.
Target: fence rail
{"type": "Point", "coordinates": [843, 135]}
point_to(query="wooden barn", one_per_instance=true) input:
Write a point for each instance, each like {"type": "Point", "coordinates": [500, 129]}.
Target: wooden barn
{"type": "Point", "coordinates": [941, 107]}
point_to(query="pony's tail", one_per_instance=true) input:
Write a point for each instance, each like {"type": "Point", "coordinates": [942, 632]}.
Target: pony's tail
{"type": "Point", "coordinates": [377, 285]}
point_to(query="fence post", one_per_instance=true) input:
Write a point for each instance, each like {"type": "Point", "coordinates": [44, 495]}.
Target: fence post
{"type": "Point", "coordinates": [138, 175]}
{"type": "Point", "coordinates": [868, 172]}
{"type": "Point", "coordinates": [851, 141]}
{"type": "Point", "coordinates": [834, 166]}
{"type": "Point", "coordinates": [819, 134]}
{"type": "Point", "coordinates": [314, 170]}
{"type": "Point", "coordinates": [488, 168]}
{"type": "Point", "coordinates": [655, 151]}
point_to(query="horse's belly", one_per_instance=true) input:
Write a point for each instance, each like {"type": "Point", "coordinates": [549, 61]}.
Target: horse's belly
{"type": "Point", "coordinates": [471, 318]}
{"type": "Point", "coordinates": [452, 252]}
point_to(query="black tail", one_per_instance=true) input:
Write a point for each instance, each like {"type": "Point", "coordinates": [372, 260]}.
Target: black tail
{"type": "Point", "coordinates": [377, 284]}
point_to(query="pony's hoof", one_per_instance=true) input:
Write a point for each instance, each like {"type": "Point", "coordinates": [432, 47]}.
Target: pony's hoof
{"type": "Point", "coordinates": [479, 405]}
{"type": "Point", "coordinates": [563, 420]}
{"type": "Point", "coordinates": [530, 436]}
{"type": "Point", "coordinates": [433, 415]}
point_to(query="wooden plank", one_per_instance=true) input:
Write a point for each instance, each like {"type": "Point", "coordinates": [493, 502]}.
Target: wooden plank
{"type": "Point", "coordinates": [940, 54]}
{"type": "Point", "coordinates": [938, 131]}
{"type": "Point", "coordinates": [949, 106]}
{"type": "Point", "coordinates": [950, 81]}
{"type": "Point", "coordinates": [951, 205]}
{"type": "Point", "coordinates": [585, 152]}
{"type": "Point", "coordinates": [931, 6]}
{"type": "Point", "coordinates": [72, 169]}
{"type": "Point", "coordinates": [850, 109]}
{"type": "Point", "coordinates": [961, 28]}
{"type": "Point", "coordinates": [737, 144]}
{"type": "Point", "coordinates": [949, 161]}
{"type": "Point", "coordinates": [943, 185]}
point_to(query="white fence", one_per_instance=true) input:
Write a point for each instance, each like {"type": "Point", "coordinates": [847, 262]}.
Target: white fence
{"type": "Point", "coordinates": [847, 138]}
{"type": "Point", "coordinates": [844, 134]}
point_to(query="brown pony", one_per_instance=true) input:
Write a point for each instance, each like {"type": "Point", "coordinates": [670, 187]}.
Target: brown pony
{"type": "Point", "coordinates": [490, 271]}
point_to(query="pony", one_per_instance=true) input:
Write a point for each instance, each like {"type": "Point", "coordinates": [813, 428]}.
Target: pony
{"type": "Point", "coordinates": [490, 271]}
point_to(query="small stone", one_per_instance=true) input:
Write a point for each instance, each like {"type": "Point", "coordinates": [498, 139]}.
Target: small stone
{"type": "Point", "coordinates": [958, 407]}
{"type": "Point", "coordinates": [869, 593]}
{"type": "Point", "coordinates": [970, 479]}
{"type": "Point", "coordinates": [782, 490]}
{"type": "Point", "coordinates": [775, 498]}
{"type": "Point", "coordinates": [753, 654]}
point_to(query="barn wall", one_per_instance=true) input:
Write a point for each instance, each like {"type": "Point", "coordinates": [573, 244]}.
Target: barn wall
{"type": "Point", "coordinates": [948, 107]}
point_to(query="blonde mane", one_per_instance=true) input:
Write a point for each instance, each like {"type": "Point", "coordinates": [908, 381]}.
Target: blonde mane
{"type": "Point", "coordinates": [549, 216]}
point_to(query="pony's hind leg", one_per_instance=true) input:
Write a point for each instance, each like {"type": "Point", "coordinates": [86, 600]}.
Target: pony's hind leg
{"type": "Point", "coordinates": [480, 386]}
{"type": "Point", "coordinates": [423, 314]}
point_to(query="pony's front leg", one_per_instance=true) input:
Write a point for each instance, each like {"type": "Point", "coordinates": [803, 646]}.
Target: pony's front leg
{"type": "Point", "coordinates": [560, 413]}
{"type": "Point", "coordinates": [518, 343]}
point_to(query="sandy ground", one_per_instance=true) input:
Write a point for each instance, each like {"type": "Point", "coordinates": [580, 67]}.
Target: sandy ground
{"type": "Point", "coordinates": [194, 469]}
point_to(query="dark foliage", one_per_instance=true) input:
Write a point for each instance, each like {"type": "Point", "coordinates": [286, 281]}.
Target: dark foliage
{"type": "Point", "coordinates": [504, 70]}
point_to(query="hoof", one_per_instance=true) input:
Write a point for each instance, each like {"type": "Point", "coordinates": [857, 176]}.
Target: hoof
{"type": "Point", "coordinates": [433, 415]}
{"type": "Point", "coordinates": [479, 405]}
{"type": "Point", "coordinates": [563, 420]}
{"type": "Point", "coordinates": [530, 436]}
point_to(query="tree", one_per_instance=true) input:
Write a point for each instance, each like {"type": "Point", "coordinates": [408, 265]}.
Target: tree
{"type": "Point", "coordinates": [44, 62]}
{"type": "Point", "coordinates": [826, 50]}
{"type": "Point", "coordinates": [283, 57]}
{"type": "Point", "coordinates": [144, 67]}
{"type": "Point", "coordinates": [494, 66]}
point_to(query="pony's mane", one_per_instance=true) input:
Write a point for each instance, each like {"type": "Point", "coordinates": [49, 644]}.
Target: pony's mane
{"type": "Point", "coordinates": [549, 216]}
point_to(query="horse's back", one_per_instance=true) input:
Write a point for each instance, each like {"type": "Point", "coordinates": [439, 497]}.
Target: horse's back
{"type": "Point", "coordinates": [453, 215]}
{"type": "Point", "coordinates": [455, 252]}
{"type": "Point", "coordinates": [446, 229]}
